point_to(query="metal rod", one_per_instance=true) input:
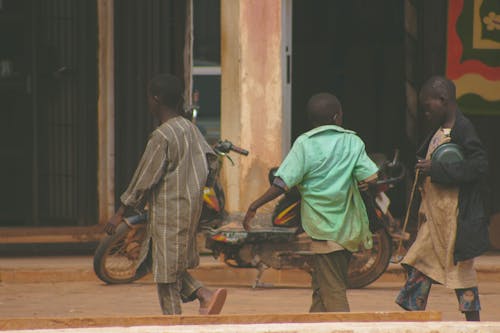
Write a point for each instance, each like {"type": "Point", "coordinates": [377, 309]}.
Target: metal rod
{"type": "Point", "coordinates": [408, 210]}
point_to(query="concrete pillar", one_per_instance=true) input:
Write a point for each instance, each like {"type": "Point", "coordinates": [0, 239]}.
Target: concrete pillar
{"type": "Point", "coordinates": [106, 111]}
{"type": "Point", "coordinates": [252, 95]}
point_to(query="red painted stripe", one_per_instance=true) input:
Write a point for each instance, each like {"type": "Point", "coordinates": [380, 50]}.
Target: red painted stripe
{"type": "Point", "coordinates": [455, 69]}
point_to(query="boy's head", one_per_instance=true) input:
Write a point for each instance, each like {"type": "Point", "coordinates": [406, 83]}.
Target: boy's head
{"type": "Point", "coordinates": [165, 91]}
{"type": "Point", "coordinates": [324, 109]}
{"type": "Point", "coordinates": [437, 98]}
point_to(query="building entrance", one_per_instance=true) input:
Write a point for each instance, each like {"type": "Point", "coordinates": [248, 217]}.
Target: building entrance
{"type": "Point", "coordinates": [48, 111]}
{"type": "Point", "coordinates": [355, 50]}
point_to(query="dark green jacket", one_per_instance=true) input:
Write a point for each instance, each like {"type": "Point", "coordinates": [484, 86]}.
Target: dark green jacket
{"type": "Point", "coordinates": [471, 176]}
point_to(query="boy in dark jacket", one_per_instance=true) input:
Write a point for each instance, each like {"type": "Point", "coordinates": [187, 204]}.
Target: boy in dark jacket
{"type": "Point", "coordinates": [454, 218]}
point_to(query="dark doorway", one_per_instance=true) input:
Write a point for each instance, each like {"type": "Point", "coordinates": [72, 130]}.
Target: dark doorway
{"type": "Point", "coordinates": [149, 39]}
{"type": "Point", "coordinates": [48, 103]}
{"type": "Point", "coordinates": [355, 50]}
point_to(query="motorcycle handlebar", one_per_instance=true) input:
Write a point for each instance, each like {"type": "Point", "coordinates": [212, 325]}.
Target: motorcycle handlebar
{"type": "Point", "coordinates": [239, 150]}
{"type": "Point", "coordinates": [396, 157]}
{"type": "Point", "coordinates": [392, 164]}
{"type": "Point", "coordinates": [391, 180]}
{"type": "Point", "coordinates": [226, 146]}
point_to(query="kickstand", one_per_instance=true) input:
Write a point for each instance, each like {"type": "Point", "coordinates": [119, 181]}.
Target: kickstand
{"type": "Point", "coordinates": [257, 284]}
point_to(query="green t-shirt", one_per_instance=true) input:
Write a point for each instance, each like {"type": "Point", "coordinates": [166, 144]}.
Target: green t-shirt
{"type": "Point", "coordinates": [326, 164]}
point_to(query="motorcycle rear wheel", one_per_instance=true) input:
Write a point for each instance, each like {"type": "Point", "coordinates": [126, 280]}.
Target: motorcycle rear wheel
{"type": "Point", "coordinates": [116, 257]}
{"type": "Point", "coordinates": [368, 265]}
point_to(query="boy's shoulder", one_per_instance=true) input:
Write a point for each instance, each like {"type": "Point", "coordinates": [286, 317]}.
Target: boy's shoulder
{"type": "Point", "coordinates": [173, 127]}
{"type": "Point", "coordinates": [463, 129]}
{"type": "Point", "coordinates": [333, 133]}
{"type": "Point", "coordinates": [328, 128]}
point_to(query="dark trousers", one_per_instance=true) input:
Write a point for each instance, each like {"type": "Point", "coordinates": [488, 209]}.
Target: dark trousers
{"type": "Point", "coordinates": [329, 282]}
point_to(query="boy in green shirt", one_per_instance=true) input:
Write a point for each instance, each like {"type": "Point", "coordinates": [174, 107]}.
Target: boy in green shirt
{"type": "Point", "coordinates": [327, 164]}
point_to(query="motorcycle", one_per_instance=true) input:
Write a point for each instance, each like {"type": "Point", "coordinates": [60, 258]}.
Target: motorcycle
{"type": "Point", "coordinates": [282, 245]}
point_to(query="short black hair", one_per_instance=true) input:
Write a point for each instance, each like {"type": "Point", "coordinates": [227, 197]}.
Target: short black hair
{"type": "Point", "coordinates": [322, 108]}
{"type": "Point", "coordinates": [169, 90]}
{"type": "Point", "coordinates": [439, 86]}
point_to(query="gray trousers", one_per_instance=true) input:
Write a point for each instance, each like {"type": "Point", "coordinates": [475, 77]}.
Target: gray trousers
{"type": "Point", "coordinates": [171, 294]}
{"type": "Point", "coordinates": [329, 282]}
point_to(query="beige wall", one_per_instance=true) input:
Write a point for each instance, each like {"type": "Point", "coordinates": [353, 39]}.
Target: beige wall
{"type": "Point", "coordinates": [251, 114]}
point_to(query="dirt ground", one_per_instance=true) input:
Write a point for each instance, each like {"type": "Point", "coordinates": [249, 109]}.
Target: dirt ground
{"type": "Point", "coordinates": [82, 299]}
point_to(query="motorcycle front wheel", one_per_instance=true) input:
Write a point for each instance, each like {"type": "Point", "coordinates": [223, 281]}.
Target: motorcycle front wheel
{"type": "Point", "coordinates": [116, 258]}
{"type": "Point", "coordinates": [366, 266]}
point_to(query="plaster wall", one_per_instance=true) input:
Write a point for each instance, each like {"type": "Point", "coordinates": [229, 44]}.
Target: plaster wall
{"type": "Point", "coordinates": [251, 95]}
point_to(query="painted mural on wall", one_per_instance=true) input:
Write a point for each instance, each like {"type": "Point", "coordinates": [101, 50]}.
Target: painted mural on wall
{"type": "Point", "coordinates": [473, 54]}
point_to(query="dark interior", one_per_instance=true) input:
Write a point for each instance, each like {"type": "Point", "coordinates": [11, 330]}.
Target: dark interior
{"type": "Point", "coordinates": [355, 50]}
{"type": "Point", "coordinates": [48, 111]}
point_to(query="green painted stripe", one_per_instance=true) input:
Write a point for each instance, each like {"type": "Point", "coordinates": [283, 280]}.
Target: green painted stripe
{"type": "Point", "coordinates": [473, 104]}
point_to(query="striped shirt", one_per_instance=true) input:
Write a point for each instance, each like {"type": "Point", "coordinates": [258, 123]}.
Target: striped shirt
{"type": "Point", "coordinates": [170, 179]}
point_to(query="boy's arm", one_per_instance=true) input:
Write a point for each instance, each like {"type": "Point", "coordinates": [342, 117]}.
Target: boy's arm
{"type": "Point", "coordinates": [150, 170]}
{"type": "Point", "coordinates": [289, 174]}
{"type": "Point", "coordinates": [272, 193]}
{"type": "Point", "coordinates": [365, 170]}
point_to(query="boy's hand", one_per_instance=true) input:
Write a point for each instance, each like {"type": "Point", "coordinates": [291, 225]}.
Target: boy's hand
{"type": "Point", "coordinates": [272, 193]}
{"type": "Point", "coordinates": [110, 227]}
{"type": "Point", "coordinates": [248, 217]}
{"type": "Point", "coordinates": [363, 186]}
{"type": "Point", "coordinates": [424, 166]}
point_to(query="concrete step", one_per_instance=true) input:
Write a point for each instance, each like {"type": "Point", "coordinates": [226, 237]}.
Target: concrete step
{"type": "Point", "coordinates": [210, 271]}
{"type": "Point", "coordinates": [200, 323]}
{"type": "Point", "coordinates": [330, 327]}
